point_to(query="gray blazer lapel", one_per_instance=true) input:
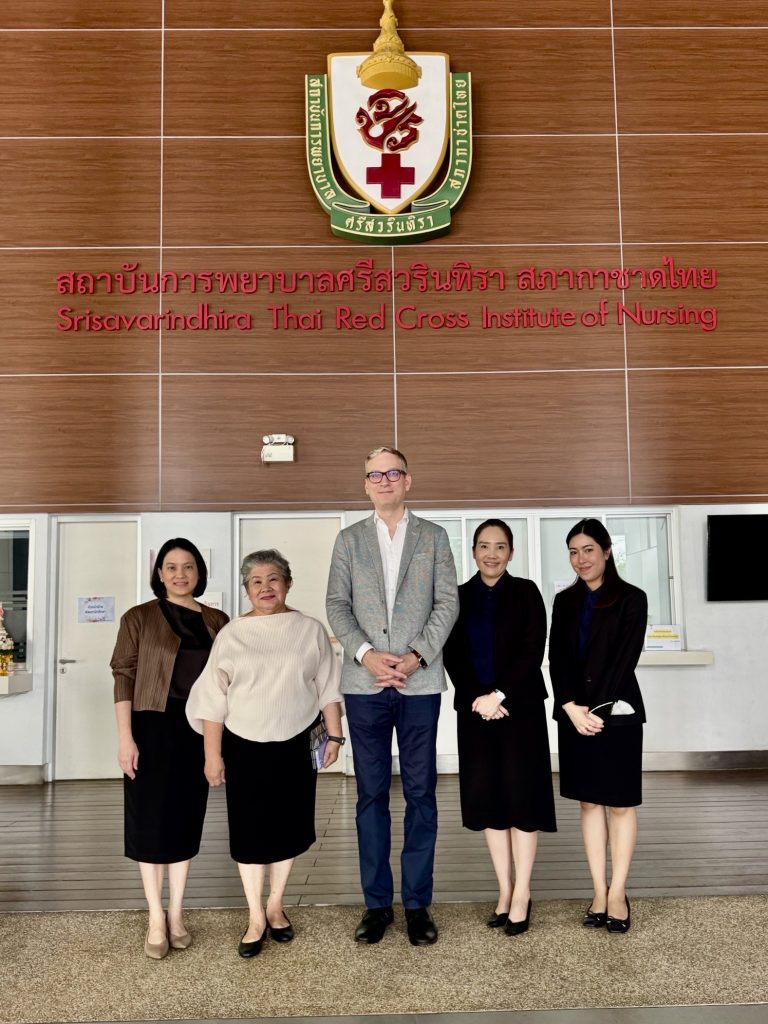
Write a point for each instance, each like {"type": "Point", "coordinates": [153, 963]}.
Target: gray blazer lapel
{"type": "Point", "coordinates": [372, 540]}
{"type": "Point", "coordinates": [412, 532]}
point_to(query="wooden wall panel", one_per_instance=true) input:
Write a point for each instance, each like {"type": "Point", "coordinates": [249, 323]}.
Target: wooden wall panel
{"type": "Point", "coordinates": [256, 191]}
{"type": "Point", "coordinates": [214, 81]}
{"type": "Point", "coordinates": [519, 416]}
{"type": "Point", "coordinates": [699, 434]}
{"type": "Point", "coordinates": [66, 192]}
{"type": "Point", "coordinates": [529, 82]}
{"type": "Point", "coordinates": [515, 439]}
{"type": "Point", "coordinates": [333, 342]}
{"type": "Point", "coordinates": [29, 299]}
{"type": "Point", "coordinates": [70, 83]}
{"type": "Point", "coordinates": [685, 12]}
{"type": "Point", "coordinates": [692, 81]}
{"type": "Point", "coordinates": [412, 13]}
{"type": "Point", "coordinates": [738, 299]}
{"type": "Point", "coordinates": [424, 348]}
{"type": "Point", "coordinates": [695, 189]}
{"type": "Point", "coordinates": [80, 441]}
{"type": "Point", "coordinates": [558, 190]}
{"type": "Point", "coordinates": [212, 430]}
{"type": "Point", "coordinates": [72, 14]}
{"type": "Point", "coordinates": [239, 192]}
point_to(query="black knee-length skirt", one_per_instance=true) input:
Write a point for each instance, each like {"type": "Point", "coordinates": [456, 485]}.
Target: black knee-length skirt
{"type": "Point", "coordinates": [270, 797]}
{"type": "Point", "coordinates": [603, 769]}
{"type": "Point", "coordinates": [165, 804]}
{"type": "Point", "coordinates": [505, 774]}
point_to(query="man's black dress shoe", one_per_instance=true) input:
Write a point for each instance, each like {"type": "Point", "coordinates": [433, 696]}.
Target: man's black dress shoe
{"type": "Point", "coordinates": [282, 934]}
{"type": "Point", "coordinates": [595, 919]}
{"type": "Point", "coordinates": [250, 949]}
{"type": "Point", "coordinates": [422, 930]}
{"type": "Point", "coordinates": [620, 924]}
{"type": "Point", "coordinates": [373, 924]}
{"type": "Point", "coordinates": [518, 927]}
{"type": "Point", "coordinates": [497, 920]}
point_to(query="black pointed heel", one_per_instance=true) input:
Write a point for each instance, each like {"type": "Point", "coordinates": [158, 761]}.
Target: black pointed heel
{"type": "Point", "coordinates": [497, 920]}
{"type": "Point", "coordinates": [518, 927]}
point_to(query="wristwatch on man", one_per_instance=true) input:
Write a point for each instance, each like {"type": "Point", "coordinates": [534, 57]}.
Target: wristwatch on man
{"type": "Point", "coordinates": [341, 740]}
{"type": "Point", "coordinates": [421, 660]}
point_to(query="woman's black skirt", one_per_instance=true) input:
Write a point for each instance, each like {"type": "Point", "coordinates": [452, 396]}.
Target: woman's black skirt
{"type": "Point", "coordinates": [270, 797]}
{"type": "Point", "coordinates": [505, 773]}
{"type": "Point", "coordinates": [165, 803]}
{"type": "Point", "coordinates": [603, 769]}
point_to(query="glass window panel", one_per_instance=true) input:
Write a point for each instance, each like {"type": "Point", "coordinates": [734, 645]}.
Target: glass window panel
{"type": "Point", "coordinates": [453, 528]}
{"type": "Point", "coordinates": [14, 580]}
{"type": "Point", "coordinates": [641, 551]}
{"type": "Point", "coordinates": [556, 571]}
{"type": "Point", "coordinates": [519, 527]}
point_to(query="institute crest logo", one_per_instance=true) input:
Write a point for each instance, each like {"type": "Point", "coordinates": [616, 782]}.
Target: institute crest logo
{"type": "Point", "coordinates": [389, 140]}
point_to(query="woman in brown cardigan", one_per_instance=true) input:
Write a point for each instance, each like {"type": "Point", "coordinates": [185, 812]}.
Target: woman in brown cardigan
{"type": "Point", "coordinates": [162, 647]}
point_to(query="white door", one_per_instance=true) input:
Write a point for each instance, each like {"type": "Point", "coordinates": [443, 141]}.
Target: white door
{"type": "Point", "coordinates": [97, 562]}
{"type": "Point", "coordinates": [307, 542]}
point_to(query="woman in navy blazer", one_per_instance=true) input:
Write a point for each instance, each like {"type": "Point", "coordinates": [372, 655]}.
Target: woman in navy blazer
{"type": "Point", "coordinates": [597, 635]}
{"type": "Point", "coordinates": [494, 657]}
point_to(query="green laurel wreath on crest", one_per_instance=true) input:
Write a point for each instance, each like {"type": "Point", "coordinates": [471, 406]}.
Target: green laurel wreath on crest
{"type": "Point", "coordinates": [351, 216]}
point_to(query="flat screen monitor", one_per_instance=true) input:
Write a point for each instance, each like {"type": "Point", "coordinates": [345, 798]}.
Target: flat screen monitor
{"type": "Point", "coordinates": [737, 558]}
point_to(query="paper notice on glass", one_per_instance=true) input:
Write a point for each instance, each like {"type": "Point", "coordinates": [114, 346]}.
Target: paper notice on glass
{"type": "Point", "coordinates": [561, 585]}
{"type": "Point", "coordinates": [213, 599]}
{"type": "Point", "coordinates": [664, 638]}
{"type": "Point", "coordinates": [95, 609]}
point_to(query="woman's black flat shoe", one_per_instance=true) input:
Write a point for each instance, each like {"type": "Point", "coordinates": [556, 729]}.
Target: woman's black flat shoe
{"type": "Point", "coordinates": [497, 920]}
{"type": "Point", "coordinates": [282, 934]}
{"type": "Point", "coordinates": [595, 919]}
{"type": "Point", "coordinates": [251, 949]}
{"type": "Point", "coordinates": [518, 927]}
{"type": "Point", "coordinates": [620, 924]}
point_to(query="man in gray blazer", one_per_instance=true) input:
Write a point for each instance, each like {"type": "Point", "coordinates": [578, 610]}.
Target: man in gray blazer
{"type": "Point", "coordinates": [392, 600]}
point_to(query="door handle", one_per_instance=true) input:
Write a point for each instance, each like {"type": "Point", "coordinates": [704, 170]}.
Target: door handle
{"type": "Point", "coordinates": [67, 661]}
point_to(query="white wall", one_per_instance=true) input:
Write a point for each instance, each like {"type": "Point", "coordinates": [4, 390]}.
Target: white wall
{"type": "Point", "coordinates": [711, 707]}
{"type": "Point", "coordinates": [212, 530]}
{"type": "Point", "coordinates": [720, 707]}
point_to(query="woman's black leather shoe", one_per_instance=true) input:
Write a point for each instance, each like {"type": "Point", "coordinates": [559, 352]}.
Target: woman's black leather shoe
{"type": "Point", "coordinates": [497, 920]}
{"type": "Point", "coordinates": [595, 919]}
{"type": "Point", "coordinates": [251, 949]}
{"type": "Point", "coordinates": [518, 927]}
{"type": "Point", "coordinates": [282, 934]}
{"type": "Point", "coordinates": [620, 924]}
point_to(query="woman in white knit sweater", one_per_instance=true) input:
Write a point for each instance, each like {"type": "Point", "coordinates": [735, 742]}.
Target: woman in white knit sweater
{"type": "Point", "coordinates": [269, 676]}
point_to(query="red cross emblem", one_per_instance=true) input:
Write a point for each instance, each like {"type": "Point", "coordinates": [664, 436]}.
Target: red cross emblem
{"type": "Point", "coordinates": [390, 175]}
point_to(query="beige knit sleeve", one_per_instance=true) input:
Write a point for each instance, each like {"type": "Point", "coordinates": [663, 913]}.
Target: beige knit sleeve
{"type": "Point", "coordinates": [328, 675]}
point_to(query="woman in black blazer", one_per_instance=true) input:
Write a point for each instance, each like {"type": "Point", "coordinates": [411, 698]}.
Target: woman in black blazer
{"type": "Point", "coordinates": [598, 631]}
{"type": "Point", "coordinates": [494, 657]}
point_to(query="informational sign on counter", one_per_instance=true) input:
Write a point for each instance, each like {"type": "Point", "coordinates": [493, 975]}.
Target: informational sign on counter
{"type": "Point", "coordinates": [664, 638]}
